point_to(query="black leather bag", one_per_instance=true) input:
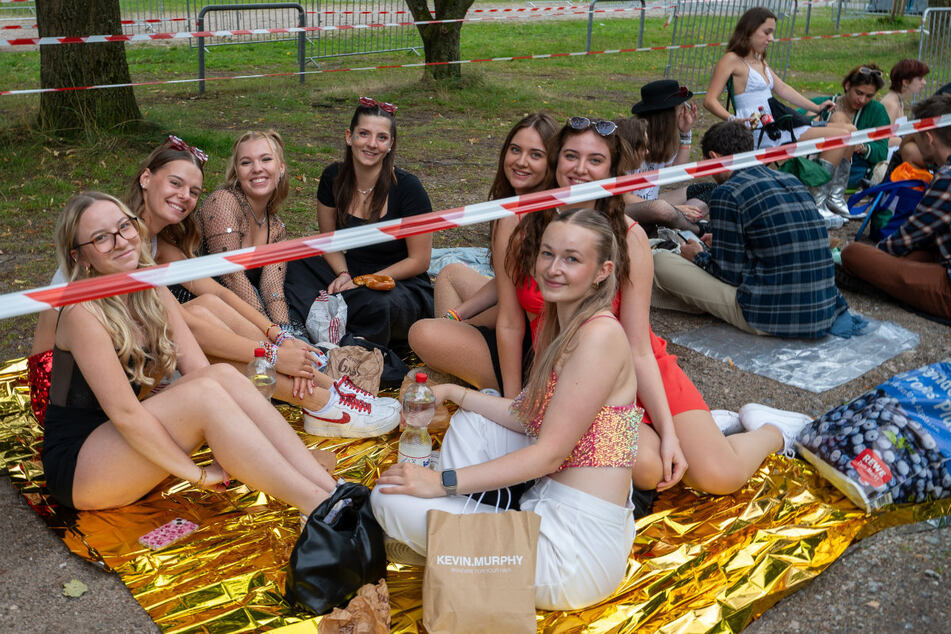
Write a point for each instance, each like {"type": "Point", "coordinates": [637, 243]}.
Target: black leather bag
{"type": "Point", "coordinates": [339, 550]}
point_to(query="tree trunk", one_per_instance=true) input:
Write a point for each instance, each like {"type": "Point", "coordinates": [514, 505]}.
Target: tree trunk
{"type": "Point", "coordinates": [67, 65]}
{"type": "Point", "coordinates": [441, 42]}
{"type": "Point", "coordinates": [898, 9]}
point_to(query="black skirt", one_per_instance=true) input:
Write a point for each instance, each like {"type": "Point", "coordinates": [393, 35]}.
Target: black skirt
{"type": "Point", "coordinates": [383, 317]}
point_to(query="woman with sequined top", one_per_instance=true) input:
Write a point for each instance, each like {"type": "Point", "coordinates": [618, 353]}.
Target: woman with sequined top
{"type": "Point", "coordinates": [573, 429]}
{"type": "Point", "coordinates": [242, 213]}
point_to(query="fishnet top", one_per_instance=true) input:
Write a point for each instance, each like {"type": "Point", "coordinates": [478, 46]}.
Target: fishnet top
{"type": "Point", "coordinates": [225, 222]}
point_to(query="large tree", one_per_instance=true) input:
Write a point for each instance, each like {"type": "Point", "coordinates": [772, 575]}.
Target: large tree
{"type": "Point", "coordinates": [441, 42]}
{"type": "Point", "coordinates": [68, 65]}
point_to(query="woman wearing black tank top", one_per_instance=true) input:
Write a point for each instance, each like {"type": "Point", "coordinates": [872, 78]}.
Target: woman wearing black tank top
{"type": "Point", "coordinates": [104, 447]}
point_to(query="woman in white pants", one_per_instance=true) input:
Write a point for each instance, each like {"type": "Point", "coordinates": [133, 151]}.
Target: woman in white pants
{"type": "Point", "coordinates": [572, 428]}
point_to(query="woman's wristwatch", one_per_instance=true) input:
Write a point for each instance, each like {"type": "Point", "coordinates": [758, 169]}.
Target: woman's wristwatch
{"type": "Point", "coordinates": [449, 481]}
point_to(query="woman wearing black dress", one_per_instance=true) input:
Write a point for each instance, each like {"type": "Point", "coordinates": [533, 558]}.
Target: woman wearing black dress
{"type": "Point", "coordinates": [362, 189]}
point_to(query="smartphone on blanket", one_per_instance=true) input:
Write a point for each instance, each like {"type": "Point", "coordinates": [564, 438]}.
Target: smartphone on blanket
{"type": "Point", "coordinates": [167, 534]}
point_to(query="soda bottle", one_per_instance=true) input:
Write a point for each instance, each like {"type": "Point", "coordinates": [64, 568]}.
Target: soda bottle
{"type": "Point", "coordinates": [262, 373]}
{"type": "Point", "coordinates": [764, 117]}
{"type": "Point", "coordinates": [419, 405]}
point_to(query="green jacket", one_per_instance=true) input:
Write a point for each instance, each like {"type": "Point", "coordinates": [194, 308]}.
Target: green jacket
{"type": "Point", "coordinates": [872, 115]}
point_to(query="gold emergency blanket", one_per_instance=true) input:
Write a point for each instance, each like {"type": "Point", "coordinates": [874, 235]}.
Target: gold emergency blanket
{"type": "Point", "coordinates": [700, 563]}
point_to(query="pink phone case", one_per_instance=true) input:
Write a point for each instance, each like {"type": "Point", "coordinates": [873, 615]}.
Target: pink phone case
{"type": "Point", "coordinates": [167, 534]}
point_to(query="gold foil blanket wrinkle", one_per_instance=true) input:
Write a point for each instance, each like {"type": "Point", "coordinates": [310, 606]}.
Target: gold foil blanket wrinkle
{"type": "Point", "coordinates": [699, 563]}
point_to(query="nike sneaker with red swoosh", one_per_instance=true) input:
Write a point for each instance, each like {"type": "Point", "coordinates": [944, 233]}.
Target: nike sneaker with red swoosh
{"type": "Point", "coordinates": [353, 417]}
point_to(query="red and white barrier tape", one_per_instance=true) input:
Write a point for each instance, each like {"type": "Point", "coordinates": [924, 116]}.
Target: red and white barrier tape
{"type": "Point", "coordinates": [643, 49]}
{"type": "Point", "coordinates": [185, 35]}
{"type": "Point", "coordinates": [36, 300]}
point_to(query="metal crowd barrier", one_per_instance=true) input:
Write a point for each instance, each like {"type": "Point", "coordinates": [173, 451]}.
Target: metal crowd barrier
{"type": "Point", "coordinates": [301, 22]}
{"type": "Point", "coordinates": [326, 44]}
{"type": "Point", "coordinates": [17, 11]}
{"type": "Point", "coordinates": [697, 22]}
{"type": "Point", "coordinates": [640, 28]}
{"type": "Point", "coordinates": [246, 14]}
{"type": "Point", "coordinates": [934, 48]}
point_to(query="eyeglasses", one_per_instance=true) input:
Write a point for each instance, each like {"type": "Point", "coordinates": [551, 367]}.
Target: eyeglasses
{"type": "Point", "coordinates": [176, 143]}
{"type": "Point", "coordinates": [382, 105]}
{"type": "Point", "coordinates": [864, 70]}
{"type": "Point", "coordinates": [106, 241]}
{"type": "Point", "coordinates": [601, 126]}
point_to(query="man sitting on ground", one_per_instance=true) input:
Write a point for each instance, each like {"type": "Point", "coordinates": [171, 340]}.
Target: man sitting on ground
{"type": "Point", "coordinates": [914, 263]}
{"type": "Point", "coordinates": [769, 269]}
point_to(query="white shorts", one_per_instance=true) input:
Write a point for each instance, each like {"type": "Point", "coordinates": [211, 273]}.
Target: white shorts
{"type": "Point", "coordinates": [584, 541]}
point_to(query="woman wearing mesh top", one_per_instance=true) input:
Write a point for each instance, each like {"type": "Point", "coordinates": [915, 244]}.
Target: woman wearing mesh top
{"type": "Point", "coordinates": [243, 213]}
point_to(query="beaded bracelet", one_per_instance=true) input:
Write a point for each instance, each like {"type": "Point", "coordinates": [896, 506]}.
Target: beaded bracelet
{"type": "Point", "coordinates": [281, 337]}
{"type": "Point", "coordinates": [270, 353]}
{"type": "Point", "coordinates": [453, 315]}
{"type": "Point", "coordinates": [345, 272]}
{"type": "Point", "coordinates": [686, 138]}
{"type": "Point", "coordinates": [268, 330]}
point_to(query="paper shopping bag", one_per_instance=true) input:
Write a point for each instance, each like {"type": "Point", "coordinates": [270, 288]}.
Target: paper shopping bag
{"type": "Point", "coordinates": [480, 572]}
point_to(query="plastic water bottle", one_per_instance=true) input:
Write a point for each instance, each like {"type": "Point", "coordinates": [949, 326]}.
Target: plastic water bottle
{"type": "Point", "coordinates": [262, 374]}
{"type": "Point", "coordinates": [419, 406]}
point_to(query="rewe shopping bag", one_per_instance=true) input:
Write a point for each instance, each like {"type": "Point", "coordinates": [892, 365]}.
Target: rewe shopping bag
{"type": "Point", "coordinates": [480, 572]}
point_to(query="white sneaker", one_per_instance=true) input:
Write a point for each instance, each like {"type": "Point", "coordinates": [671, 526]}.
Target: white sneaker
{"type": "Point", "coordinates": [727, 421]}
{"type": "Point", "coordinates": [753, 416]}
{"type": "Point", "coordinates": [344, 385]}
{"type": "Point", "coordinates": [351, 417]}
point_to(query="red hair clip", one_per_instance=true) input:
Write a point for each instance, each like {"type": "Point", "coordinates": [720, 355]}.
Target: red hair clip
{"type": "Point", "coordinates": [382, 105]}
{"type": "Point", "coordinates": [683, 91]}
{"type": "Point", "coordinates": [176, 143]}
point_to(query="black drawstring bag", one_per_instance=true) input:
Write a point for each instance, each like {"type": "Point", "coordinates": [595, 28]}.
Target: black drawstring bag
{"type": "Point", "coordinates": [339, 550]}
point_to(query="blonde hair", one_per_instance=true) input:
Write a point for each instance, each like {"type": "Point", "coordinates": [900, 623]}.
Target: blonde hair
{"type": "Point", "coordinates": [142, 311]}
{"type": "Point", "coordinates": [553, 343]}
{"type": "Point", "coordinates": [273, 139]}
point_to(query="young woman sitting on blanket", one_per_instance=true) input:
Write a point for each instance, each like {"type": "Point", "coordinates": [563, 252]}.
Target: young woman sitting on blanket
{"type": "Point", "coordinates": [574, 430]}
{"type": "Point", "coordinates": [681, 429]}
{"type": "Point", "coordinates": [163, 194]}
{"type": "Point", "coordinates": [107, 440]}
{"type": "Point", "coordinates": [363, 189]}
{"type": "Point", "coordinates": [669, 113]}
{"type": "Point", "coordinates": [461, 341]}
{"type": "Point", "coordinates": [242, 213]}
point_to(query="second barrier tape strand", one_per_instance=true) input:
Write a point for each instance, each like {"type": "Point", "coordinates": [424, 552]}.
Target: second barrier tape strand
{"type": "Point", "coordinates": [37, 300]}
{"type": "Point", "coordinates": [643, 49]}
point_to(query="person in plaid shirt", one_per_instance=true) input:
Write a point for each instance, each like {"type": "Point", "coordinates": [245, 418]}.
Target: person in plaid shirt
{"type": "Point", "coordinates": [769, 269]}
{"type": "Point", "coordinates": [913, 265]}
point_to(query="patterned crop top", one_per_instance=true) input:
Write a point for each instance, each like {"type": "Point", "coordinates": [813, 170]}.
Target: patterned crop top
{"type": "Point", "coordinates": [611, 440]}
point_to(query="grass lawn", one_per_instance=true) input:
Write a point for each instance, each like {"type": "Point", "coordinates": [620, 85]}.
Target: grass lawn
{"type": "Point", "coordinates": [449, 137]}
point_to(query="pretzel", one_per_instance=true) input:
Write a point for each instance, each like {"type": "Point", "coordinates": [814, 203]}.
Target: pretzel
{"type": "Point", "coordinates": [375, 282]}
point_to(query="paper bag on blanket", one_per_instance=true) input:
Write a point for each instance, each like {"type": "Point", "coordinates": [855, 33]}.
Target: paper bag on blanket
{"type": "Point", "coordinates": [480, 572]}
{"type": "Point", "coordinates": [363, 366]}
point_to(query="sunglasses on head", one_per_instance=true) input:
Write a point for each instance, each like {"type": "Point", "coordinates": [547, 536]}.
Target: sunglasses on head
{"type": "Point", "coordinates": [601, 126]}
{"type": "Point", "coordinates": [176, 143]}
{"type": "Point", "coordinates": [864, 70]}
{"type": "Point", "coordinates": [382, 105]}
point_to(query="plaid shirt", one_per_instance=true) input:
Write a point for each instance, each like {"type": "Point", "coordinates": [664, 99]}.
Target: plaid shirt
{"type": "Point", "coordinates": [929, 225]}
{"type": "Point", "coordinates": [771, 243]}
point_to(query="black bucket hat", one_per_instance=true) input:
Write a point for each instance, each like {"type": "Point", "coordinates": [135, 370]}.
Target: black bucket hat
{"type": "Point", "coordinates": [661, 95]}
